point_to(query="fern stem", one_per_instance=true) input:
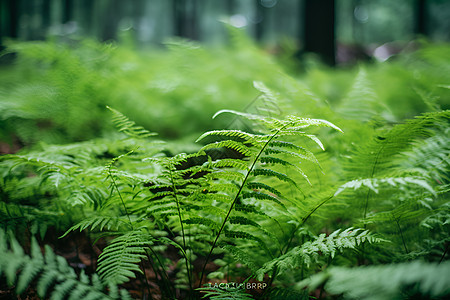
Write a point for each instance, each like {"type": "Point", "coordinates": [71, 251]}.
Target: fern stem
{"type": "Point", "coordinates": [372, 172]}
{"type": "Point", "coordinates": [187, 261]}
{"type": "Point", "coordinates": [235, 200]}
{"type": "Point", "coordinates": [304, 221]}
{"type": "Point", "coordinates": [120, 196]}
{"type": "Point", "coordinates": [155, 270]}
{"type": "Point", "coordinates": [401, 235]}
{"type": "Point", "coordinates": [164, 278]}
{"type": "Point", "coordinates": [146, 282]}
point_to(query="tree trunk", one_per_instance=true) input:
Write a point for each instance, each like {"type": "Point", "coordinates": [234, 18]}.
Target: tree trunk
{"type": "Point", "coordinates": [319, 29]}
{"type": "Point", "coordinates": [420, 27]}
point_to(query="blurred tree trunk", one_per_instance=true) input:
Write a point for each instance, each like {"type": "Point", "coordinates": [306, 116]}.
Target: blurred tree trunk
{"type": "Point", "coordinates": [9, 20]}
{"type": "Point", "coordinates": [112, 18]}
{"type": "Point", "coordinates": [261, 14]}
{"type": "Point", "coordinates": [184, 18]}
{"type": "Point", "coordinates": [67, 11]}
{"type": "Point", "coordinates": [420, 27]}
{"type": "Point", "coordinates": [319, 29]}
{"type": "Point", "coordinates": [46, 20]}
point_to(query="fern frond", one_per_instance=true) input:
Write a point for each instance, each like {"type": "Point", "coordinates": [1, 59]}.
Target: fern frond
{"type": "Point", "coordinates": [234, 145]}
{"type": "Point", "coordinates": [278, 293]}
{"type": "Point", "coordinates": [218, 197]}
{"type": "Point", "coordinates": [262, 186]}
{"type": "Point", "coordinates": [294, 121]}
{"type": "Point", "coordinates": [361, 103]}
{"type": "Point", "coordinates": [230, 163]}
{"type": "Point", "coordinates": [439, 218]}
{"type": "Point", "coordinates": [291, 154]}
{"type": "Point", "coordinates": [129, 127]}
{"type": "Point", "coordinates": [245, 221]}
{"type": "Point", "coordinates": [247, 137]}
{"type": "Point", "coordinates": [203, 221]}
{"type": "Point", "coordinates": [271, 173]}
{"type": "Point", "coordinates": [279, 161]}
{"type": "Point", "coordinates": [227, 175]}
{"type": "Point", "coordinates": [230, 293]}
{"type": "Point", "coordinates": [241, 114]}
{"type": "Point", "coordinates": [51, 272]}
{"type": "Point", "coordinates": [245, 236]}
{"type": "Point", "coordinates": [223, 187]}
{"type": "Point", "coordinates": [430, 156]}
{"type": "Point", "coordinates": [323, 245]}
{"type": "Point", "coordinates": [100, 222]}
{"type": "Point", "coordinates": [381, 152]}
{"type": "Point", "coordinates": [121, 258]}
{"type": "Point", "coordinates": [374, 183]}
{"type": "Point", "coordinates": [261, 196]}
{"type": "Point", "coordinates": [298, 149]}
{"type": "Point", "coordinates": [394, 281]}
{"type": "Point", "coordinates": [241, 256]}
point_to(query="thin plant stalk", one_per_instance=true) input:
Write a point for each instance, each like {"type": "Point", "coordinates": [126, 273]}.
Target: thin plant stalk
{"type": "Point", "coordinates": [235, 200]}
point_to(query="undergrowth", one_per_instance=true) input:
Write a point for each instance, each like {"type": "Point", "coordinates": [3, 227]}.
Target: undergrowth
{"type": "Point", "coordinates": [289, 197]}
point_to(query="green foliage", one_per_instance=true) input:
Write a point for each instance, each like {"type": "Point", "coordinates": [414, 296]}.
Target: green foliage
{"type": "Point", "coordinates": [62, 88]}
{"type": "Point", "coordinates": [128, 127]}
{"type": "Point", "coordinates": [266, 194]}
{"type": "Point", "coordinates": [325, 246]}
{"type": "Point", "coordinates": [54, 277]}
{"type": "Point", "coordinates": [396, 281]}
{"type": "Point", "coordinates": [231, 293]}
{"type": "Point", "coordinates": [118, 261]}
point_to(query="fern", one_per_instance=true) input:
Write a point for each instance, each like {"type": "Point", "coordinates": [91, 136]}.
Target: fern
{"type": "Point", "coordinates": [129, 127]}
{"type": "Point", "coordinates": [121, 258]}
{"type": "Point", "coordinates": [52, 273]}
{"type": "Point", "coordinates": [374, 183]}
{"type": "Point", "coordinates": [258, 146]}
{"type": "Point", "coordinates": [288, 294]}
{"type": "Point", "coordinates": [99, 223]}
{"type": "Point", "coordinates": [227, 293]}
{"type": "Point", "coordinates": [325, 246]}
{"type": "Point", "coordinates": [362, 103]}
{"type": "Point", "coordinates": [379, 154]}
{"type": "Point", "coordinates": [396, 281]}
{"type": "Point", "coordinates": [396, 184]}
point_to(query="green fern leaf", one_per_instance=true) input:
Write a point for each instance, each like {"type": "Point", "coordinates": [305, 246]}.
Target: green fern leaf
{"type": "Point", "coordinates": [121, 258]}
{"type": "Point", "coordinates": [226, 175]}
{"type": "Point", "coordinates": [322, 246]}
{"type": "Point", "coordinates": [203, 221]}
{"type": "Point", "coordinates": [237, 146]}
{"type": "Point", "coordinates": [230, 293]}
{"type": "Point", "coordinates": [374, 183]}
{"type": "Point", "coordinates": [279, 161]}
{"type": "Point", "coordinates": [51, 272]}
{"type": "Point", "coordinates": [100, 222]}
{"type": "Point", "coordinates": [129, 127]}
{"type": "Point", "coordinates": [31, 269]}
{"type": "Point", "coordinates": [394, 281]}
{"type": "Point", "coordinates": [248, 137]}
{"type": "Point", "coordinates": [230, 163]}
{"type": "Point", "coordinates": [261, 196]}
{"type": "Point", "coordinates": [262, 186]}
{"type": "Point", "coordinates": [271, 173]}
{"type": "Point", "coordinates": [241, 256]}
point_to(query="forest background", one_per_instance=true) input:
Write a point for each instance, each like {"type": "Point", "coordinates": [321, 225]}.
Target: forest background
{"type": "Point", "coordinates": [171, 149]}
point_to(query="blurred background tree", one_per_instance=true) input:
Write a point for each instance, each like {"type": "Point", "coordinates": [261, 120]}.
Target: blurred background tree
{"type": "Point", "coordinates": [334, 29]}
